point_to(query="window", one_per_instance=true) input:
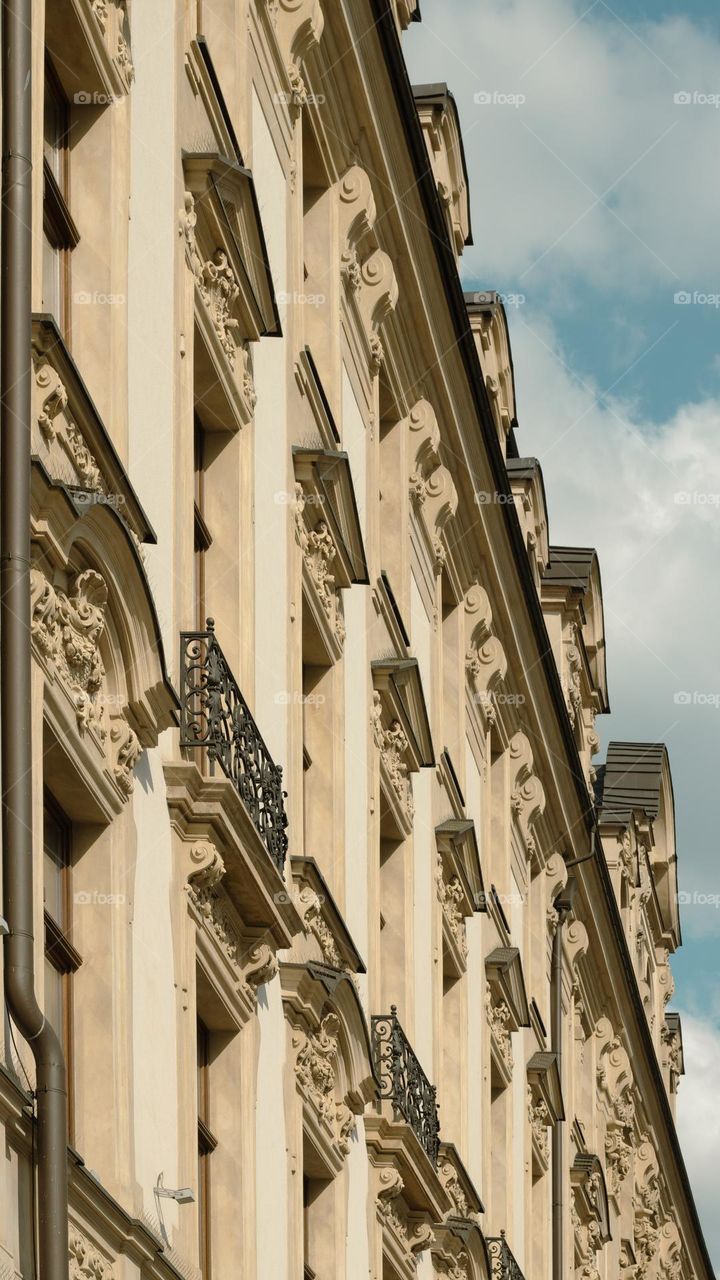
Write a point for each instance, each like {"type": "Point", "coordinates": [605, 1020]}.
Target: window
{"type": "Point", "coordinates": [203, 539]}
{"type": "Point", "coordinates": [61, 958]}
{"type": "Point", "coordinates": [60, 234]}
{"type": "Point", "coordinates": [207, 1143]}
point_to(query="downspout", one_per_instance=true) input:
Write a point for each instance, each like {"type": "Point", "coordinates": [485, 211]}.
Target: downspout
{"type": "Point", "coordinates": [563, 906]}
{"type": "Point", "coordinates": [15, 651]}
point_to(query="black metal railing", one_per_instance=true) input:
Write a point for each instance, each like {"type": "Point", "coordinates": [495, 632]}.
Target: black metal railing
{"type": "Point", "coordinates": [403, 1081]}
{"type": "Point", "coordinates": [214, 715]}
{"type": "Point", "coordinates": [504, 1266]}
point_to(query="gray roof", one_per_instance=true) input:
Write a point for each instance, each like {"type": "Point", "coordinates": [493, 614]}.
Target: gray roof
{"type": "Point", "coordinates": [571, 566]}
{"type": "Point", "coordinates": [631, 778]}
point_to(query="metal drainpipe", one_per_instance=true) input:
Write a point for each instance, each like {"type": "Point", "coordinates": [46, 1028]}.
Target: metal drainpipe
{"type": "Point", "coordinates": [563, 906]}
{"type": "Point", "coordinates": [15, 652]}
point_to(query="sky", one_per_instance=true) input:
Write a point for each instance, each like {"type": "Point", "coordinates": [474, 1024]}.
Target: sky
{"type": "Point", "coordinates": [592, 139]}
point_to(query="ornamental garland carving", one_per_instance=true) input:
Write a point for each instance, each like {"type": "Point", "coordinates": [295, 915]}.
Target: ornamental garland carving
{"type": "Point", "coordinates": [219, 919]}
{"type": "Point", "coordinates": [498, 1016]}
{"type": "Point", "coordinates": [85, 1261]}
{"type": "Point", "coordinates": [646, 1204]}
{"type": "Point", "coordinates": [573, 694]}
{"type": "Point", "coordinates": [127, 753]}
{"type": "Point", "coordinates": [315, 923]}
{"type": "Point", "coordinates": [66, 630]}
{"type": "Point", "coordinates": [671, 1043]}
{"type": "Point", "coordinates": [393, 745]}
{"type": "Point", "coordinates": [540, 1120]}
{"type": "Point", "coordinates": [391, 1186]}
{"type": "Point", "coordinates": [451, 1181]}
{"type": "Point", "coordinates": [315, 1067]}
{"type": "Point", "coordinates": [111, 18]}
{"type": "Point", "coordinates": [59, 429]}
{"type": "Point", "coordinates": [217, 284]}
{"type": "Point", "coordinates": [319, 551]}
{"type": "Point", "coordinates": [450, 895]}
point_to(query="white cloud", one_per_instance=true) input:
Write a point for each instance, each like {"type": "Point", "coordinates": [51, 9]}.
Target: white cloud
{"type": "Point", "coordinates": [699, 1119]}
{"type": "Point", "coordinates": [647, 496]}
{"type": "Point", "coordinates": [599, 120]}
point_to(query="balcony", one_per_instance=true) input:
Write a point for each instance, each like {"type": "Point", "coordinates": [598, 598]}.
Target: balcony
{"type": "Point", "coordinates": [504, 1266]}
{"type": "Point", "coordinates": [404, 1083]}
{"type": "Point", "coordinates": [214, 715]}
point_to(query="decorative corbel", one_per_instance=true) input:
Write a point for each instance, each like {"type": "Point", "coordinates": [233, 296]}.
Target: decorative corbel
{"type": "Point", "coordinates": [356, 208]}
{"type": "Point", "coordinates": [377, 296]}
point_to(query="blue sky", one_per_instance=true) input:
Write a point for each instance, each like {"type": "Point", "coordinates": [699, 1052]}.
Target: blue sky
{"type": "Point", "coordinates": [595, 195]}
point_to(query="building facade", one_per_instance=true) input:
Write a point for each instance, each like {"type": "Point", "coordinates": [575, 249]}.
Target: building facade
{"type": "Point", "coordinates": [359, 961]}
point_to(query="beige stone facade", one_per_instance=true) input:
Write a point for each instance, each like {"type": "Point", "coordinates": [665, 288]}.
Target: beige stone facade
{"type": "Point", "coordinates": [302, 871]}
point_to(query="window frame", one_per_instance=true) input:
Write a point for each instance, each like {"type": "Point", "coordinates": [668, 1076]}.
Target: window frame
{"type": "Point", "coordinates": [59, 227]}
{"type": "Point", "coordinates": [59, 951]}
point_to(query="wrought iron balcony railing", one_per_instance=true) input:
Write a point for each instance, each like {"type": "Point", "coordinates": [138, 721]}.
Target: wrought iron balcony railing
{"type": "Point", "coordinates": [403, 1081]}
{"type": "Point", "coordinates": [504, 1266]}
{"type": "Point", "coordinates": [214, 715]}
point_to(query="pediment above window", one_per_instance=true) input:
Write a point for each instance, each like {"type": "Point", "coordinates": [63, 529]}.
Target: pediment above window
{"type": "Point", "coordinates": [459, 885]}
{"type": "Point", "coordinates": [591, 1202]}
{"type": "Point", "coordinates": [545, 1105]}
{"type": "Point", "coordinates": [330, 1043]}
{"type": "Point", "coordinates": [96, 637]}
{"type": "Point", "coordinates": [399, 684]}
{"type": "Point", "coordinates": [503, 969]}
{"type": "Point", "coordinates": [328, 532]}
{"type": "Point", "coordinates": [234, 295]}
{"type": "Point", "coordinates": [326, 939]}
{"type": "Point", "coordinates": [69, 437]}
{"type": "Point", "coordinates": [401, 731]}
{"type": "Point", "coordinates": [98, 33]}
